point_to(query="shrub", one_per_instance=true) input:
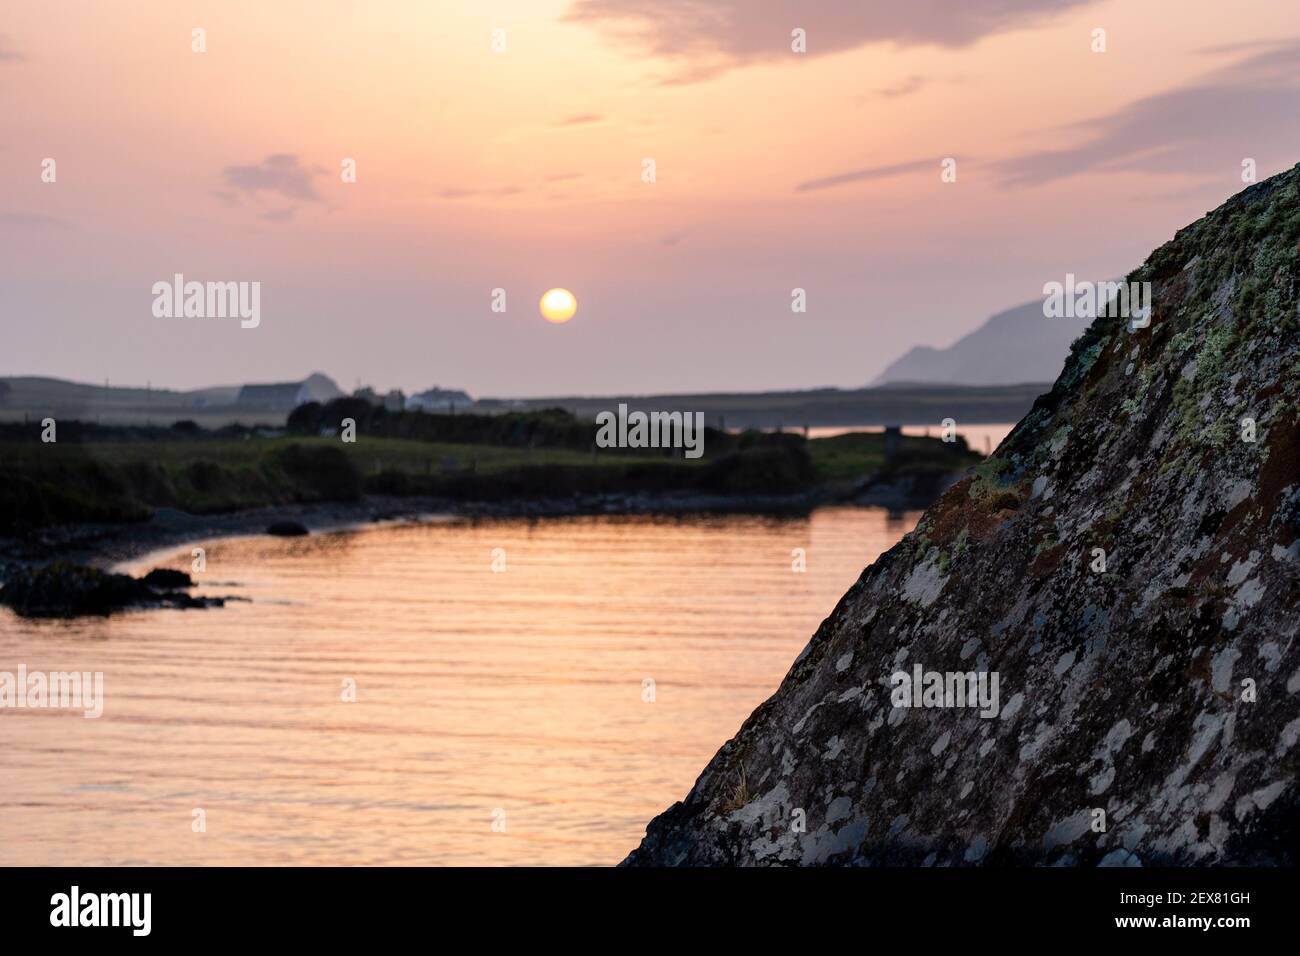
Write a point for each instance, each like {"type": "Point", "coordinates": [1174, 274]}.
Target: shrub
{"type": "Point", "coordinates": [315, 473]}
{"type": "Point", "coordinates": [769, 469]}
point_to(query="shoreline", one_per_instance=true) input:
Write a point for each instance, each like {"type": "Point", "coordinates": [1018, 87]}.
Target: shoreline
{"type": "Point", "coordinates": [106, 546]}
{"type": "Point", "coordinates": [84, 569]}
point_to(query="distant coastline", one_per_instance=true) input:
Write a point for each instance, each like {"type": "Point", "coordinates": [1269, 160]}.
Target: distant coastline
{"type": "Point", "coordinates": [904, 403]}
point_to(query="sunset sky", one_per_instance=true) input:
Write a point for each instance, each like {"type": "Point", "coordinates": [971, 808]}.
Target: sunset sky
{"type": "Point", "coordinates": [522, 170]}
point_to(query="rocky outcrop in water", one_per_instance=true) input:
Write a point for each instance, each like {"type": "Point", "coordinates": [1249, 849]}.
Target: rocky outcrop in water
{"type": "Point", "coordinates": [1126, 567]}
{"type": "Point", "coordinates": [63, 589]}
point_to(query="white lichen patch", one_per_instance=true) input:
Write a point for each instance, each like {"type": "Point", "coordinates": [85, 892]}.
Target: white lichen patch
{"type": "Point", "coordinates": [1237, 492]}
{"type": "Point", "coordinates": [1117, 736]}
{"type": "Point", "coordinates": [1205, 731]}
{"type": "Point", "coordinates": [1221, 669]}
{"type": "Point", "coordinates": [1110, 745]}
{"type": "Point", "coordinates": [1064, 662]}
{"type": "Point", "coordinates": [925, 583]}
{"type": "Point", "coordinates": [1290, 733]}
{"type": "Point", "coordinates": [1120, 857]}
{"type": "Point", "coordinates": [1242, 569]}
{"type": "Point", "coordinates": [1219, 792]}
{"type": "Point", "coordinates": [1289, 555]}
{"type": "Point", "coordinates": [839, 809]}
{"type": "Point", "coordinates": [1100, 782]}
{"type": "Point", "coordinates": [1012, 707]}
{"type": "Point", "coordinates": [1247, 596]}
{"type": "Point", "coordinates": [1249, 593]}
{"type": "Point", "coordinates": [766, 810]}
{"type": "Point", "coordinates": [825, 843]}
{"type": "Point", "coordinates": [1042, 735]}
{"type": "Point", "coordinates": [1066, 831]}
{"type": "Point", "coordinates": [798, 728]}
{"type": "Point", "coordinates": [1259, 799]}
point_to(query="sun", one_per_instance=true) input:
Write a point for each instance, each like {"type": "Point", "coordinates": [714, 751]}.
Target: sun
{"type": "Point", "coordinates": [558, 305]}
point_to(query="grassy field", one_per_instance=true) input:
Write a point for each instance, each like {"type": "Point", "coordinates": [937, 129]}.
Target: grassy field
{"type": "Point", "coordinates": [121, 481]}
{"type": "Point", "coordinates": [855, 455]}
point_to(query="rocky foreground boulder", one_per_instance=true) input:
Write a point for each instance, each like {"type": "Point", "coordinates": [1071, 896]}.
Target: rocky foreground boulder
{"type": "Point", "coordinates": [1112, 596]}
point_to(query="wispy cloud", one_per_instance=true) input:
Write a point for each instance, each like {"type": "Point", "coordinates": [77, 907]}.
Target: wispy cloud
{"type": "Point", "coordinates": [1222, 48]}
{"type": "Point", "coordinates": [7, 52]}
{"type": "Point", "coordinates": [706, 37]}
{"type": "Point", "coordinates": [584, 119]}
{"type": "Point", "coordinates": [460, 192]}
{"type": "Point", "coordinates": [904, 87]}
{"type": "Point", "coordinates": [32, 220]}
{"type": "Point", "coordinates": [280, 175]}
{"type": "Point", "coordinates": [1205, 128]}
{"type": "Point", "coordinates": [872, 172]}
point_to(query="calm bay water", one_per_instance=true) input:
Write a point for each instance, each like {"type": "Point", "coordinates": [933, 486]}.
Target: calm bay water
{"type": "Point", "coordinates": [477, 692]}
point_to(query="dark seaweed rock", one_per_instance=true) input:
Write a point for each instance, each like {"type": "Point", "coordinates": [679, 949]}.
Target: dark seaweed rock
{"type": "Point", "coordinates": [165, 579]}
{"type": "Point", "coordinates": [1127, 564]}
{"type": "Point", "coordinates": [188, 602]}
{"type": "Point", "coordinates": [70, 590]}
{"type": "Point", "coordinates": [287, 529]}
